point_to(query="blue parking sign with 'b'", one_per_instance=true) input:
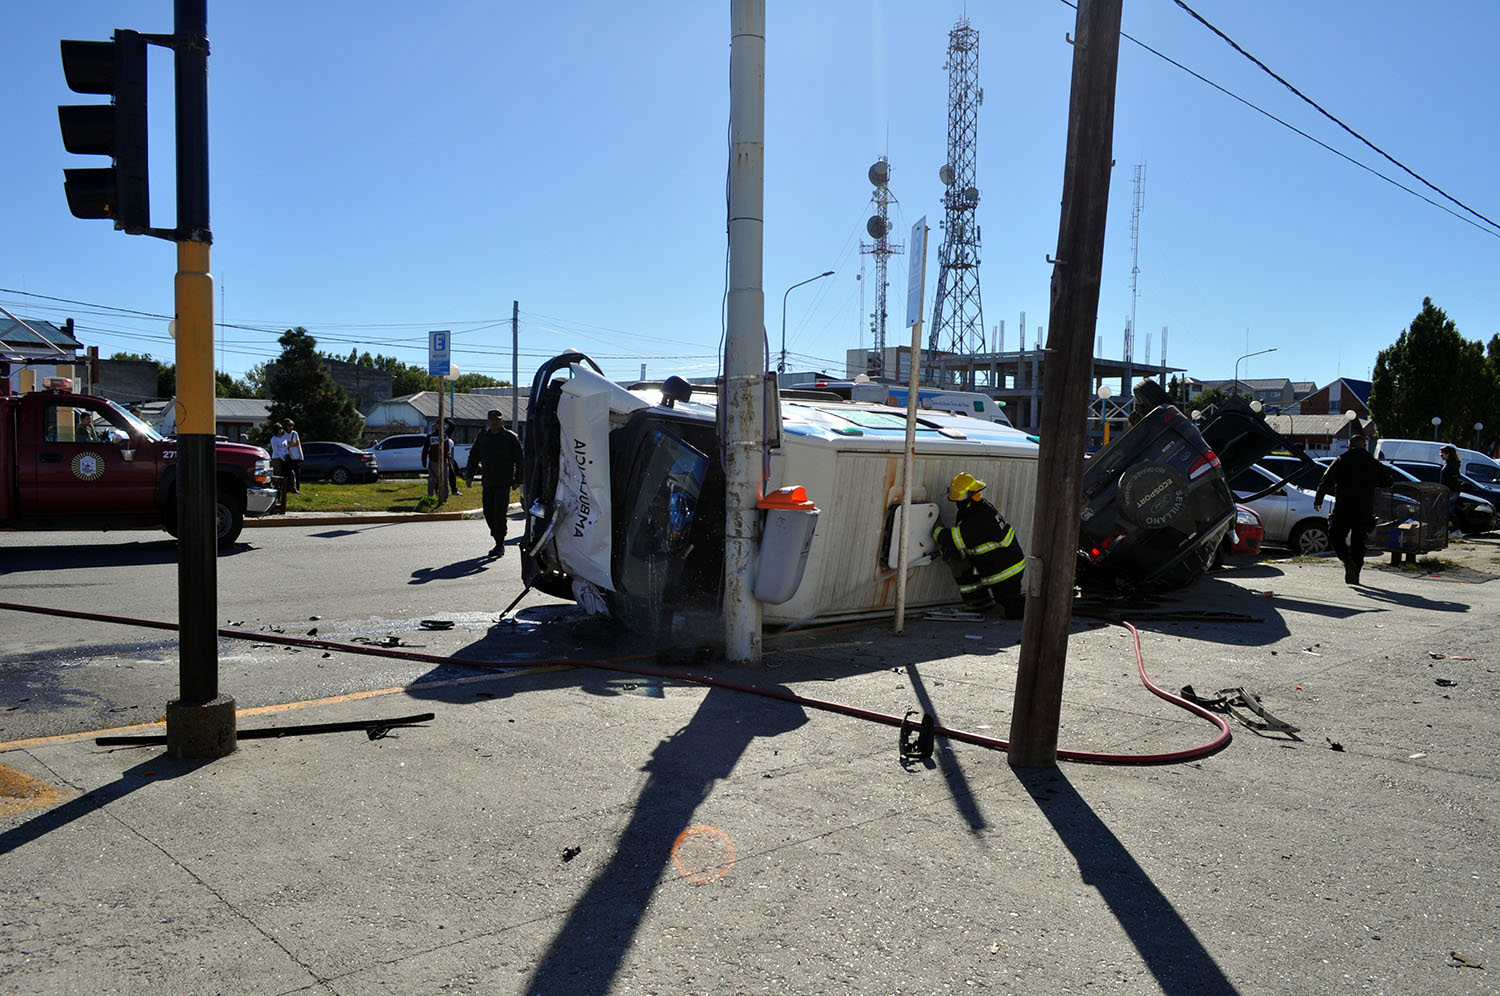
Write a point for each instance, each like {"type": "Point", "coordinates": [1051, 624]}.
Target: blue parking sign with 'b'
{"type": "Point", "coordinates": [439, 353]}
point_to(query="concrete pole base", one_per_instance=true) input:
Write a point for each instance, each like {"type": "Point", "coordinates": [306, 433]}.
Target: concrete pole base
{"type": "Point", "coordinates": [201, 730]}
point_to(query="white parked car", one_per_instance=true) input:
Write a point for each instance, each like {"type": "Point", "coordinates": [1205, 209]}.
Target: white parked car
{"type": "Point", "coordinates": [402, 454]}
{"type": "Point", "coordinates": [1287, 513]}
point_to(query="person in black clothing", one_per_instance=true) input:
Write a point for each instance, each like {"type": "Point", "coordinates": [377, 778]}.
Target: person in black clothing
{"type": "Point", "coordinates": [441, 443]}
{"type": "Point", "coordinates": [982, 551]}
{"type": "Point", "coordinates": [1353, 477]}
{"type": "Point", "coordinates": [498, 451]}
{"type": "Point", "coordinates": [1452, 479]}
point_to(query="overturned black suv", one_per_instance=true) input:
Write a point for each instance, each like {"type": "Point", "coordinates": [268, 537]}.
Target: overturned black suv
{"type": "Point", "coordinates": [1156, 504]}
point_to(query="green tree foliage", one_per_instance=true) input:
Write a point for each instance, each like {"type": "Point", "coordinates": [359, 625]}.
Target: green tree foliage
{"type": "Point", "coordinates": [299, 388]}
{"type": "Point", "coordinates": [1432, 370]}
{"type": "Point", "coordinates": [226, 386]}
{"type": "Point", "coordinates": [255, 381]}
{"type": "Point", "coordinates": [1206, 401]}
{"type": "Point", "coordinates": [408, 378]}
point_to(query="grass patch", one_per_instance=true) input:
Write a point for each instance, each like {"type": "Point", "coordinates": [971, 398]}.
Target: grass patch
{"type": "Point", "coordinates": [396, 495]}
{"type": "Point", "coordinates": [1429, 565]}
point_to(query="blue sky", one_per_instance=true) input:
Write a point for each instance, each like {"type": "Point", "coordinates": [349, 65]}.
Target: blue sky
{"type": "Point", "coordinates": [384, 168]}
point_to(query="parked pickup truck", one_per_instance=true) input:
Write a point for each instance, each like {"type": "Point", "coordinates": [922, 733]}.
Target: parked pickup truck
{"type": "Point", "coordinates": [74, 461]}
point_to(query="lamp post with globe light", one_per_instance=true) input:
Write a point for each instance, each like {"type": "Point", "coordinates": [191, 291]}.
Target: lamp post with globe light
{"type": "Point", "coordinates": [1437, 420]}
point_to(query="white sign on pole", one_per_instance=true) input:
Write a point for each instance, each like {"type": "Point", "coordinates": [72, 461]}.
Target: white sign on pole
{"type": "Point", "coordinates": [917, 256]}
{"type": "Point", "coordinates": [439, 353]}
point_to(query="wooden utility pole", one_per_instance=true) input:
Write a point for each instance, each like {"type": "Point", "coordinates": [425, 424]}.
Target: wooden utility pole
{"type": "Point", "coordinates": [1065, 395]}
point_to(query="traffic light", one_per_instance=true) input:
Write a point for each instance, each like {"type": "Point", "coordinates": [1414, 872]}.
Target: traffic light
{"type": "Point", "coordinates": [118, 129]}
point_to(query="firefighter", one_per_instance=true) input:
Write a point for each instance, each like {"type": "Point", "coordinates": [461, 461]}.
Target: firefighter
{"type": "Point", "coordinates": [982, 551]}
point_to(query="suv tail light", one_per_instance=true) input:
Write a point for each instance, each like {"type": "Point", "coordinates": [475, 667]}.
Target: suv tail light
{"type": "Point", "coordinates": [1207, 460]}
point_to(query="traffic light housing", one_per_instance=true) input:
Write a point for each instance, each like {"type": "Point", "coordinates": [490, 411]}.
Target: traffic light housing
{"type": "Point", "coordinates": [120, 192]}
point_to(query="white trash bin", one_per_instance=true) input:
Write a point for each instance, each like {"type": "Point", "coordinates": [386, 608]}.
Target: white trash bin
{"type": "Point", "coordinates": [786, 536]}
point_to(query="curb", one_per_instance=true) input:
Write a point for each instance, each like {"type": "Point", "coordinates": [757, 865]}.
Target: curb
{"type": "Point", "coordinates": [346, 518]}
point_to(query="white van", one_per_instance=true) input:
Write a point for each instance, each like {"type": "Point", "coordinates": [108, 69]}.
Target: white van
{"type": "Point", "coordinates": [1474, 464]}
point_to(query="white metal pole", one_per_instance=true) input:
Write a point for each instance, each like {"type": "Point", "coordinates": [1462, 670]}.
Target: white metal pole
{"type": "Point", "coordinates": [744, 349]}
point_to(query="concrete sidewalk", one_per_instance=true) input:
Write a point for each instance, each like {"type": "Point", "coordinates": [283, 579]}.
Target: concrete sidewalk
{"type": "Point", "coordinates": [582, 831]}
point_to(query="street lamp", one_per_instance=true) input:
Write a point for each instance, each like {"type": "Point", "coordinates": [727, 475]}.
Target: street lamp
{"type": "Point", "coordinates": [1246, 357]}
{"type": "Point", "coordinates": [1478, 428]}
{"type": "Point", "coordinates": [781, 366]}
{"type": "Point", "coordinates": [1350, 415]}
{"type": "Point", "coordinates": [1437, 420]}
{"type": "Point", "coordinates": [1105, 393]}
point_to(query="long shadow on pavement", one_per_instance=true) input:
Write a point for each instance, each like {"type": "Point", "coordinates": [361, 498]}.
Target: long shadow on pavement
{"type": "Point", "coordinates": [591, 945]}
{"type": "Point", "coordinates": [159, 767]}
{"type": "Point", "coordinates": [1170, 949]}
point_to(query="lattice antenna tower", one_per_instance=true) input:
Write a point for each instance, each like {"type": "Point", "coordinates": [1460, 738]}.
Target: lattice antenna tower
{"type": "Point", "coordinates": [957, 314]}
{"type": "Point", "coordinates": [1136, 204]}
{"type": "Point", "coordinates": [879, 228]}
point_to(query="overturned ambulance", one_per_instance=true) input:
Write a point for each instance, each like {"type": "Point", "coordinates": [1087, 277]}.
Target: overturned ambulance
{"type": "Point", "coordinates": [624, 492]}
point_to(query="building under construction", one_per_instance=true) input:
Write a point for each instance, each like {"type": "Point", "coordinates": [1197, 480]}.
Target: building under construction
{"type": "Point", "coordinates": [1014, 377]}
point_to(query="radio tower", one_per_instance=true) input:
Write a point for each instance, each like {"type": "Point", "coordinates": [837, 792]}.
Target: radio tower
{"type": "Point", "coordinates": [879, 227]}
{"type": "Point", "coordinates": [957, 316]}
{"type": "Point", "coordinates": [1137, 204]}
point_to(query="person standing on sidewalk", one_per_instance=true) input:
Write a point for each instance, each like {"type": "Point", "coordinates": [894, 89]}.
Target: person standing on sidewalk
{"type": "Point", "coordinates": [1352, 478]}
{"type": "Point", "coordinates": [498, 452]}
{"type": "Point", "coordinates": [1452, 478]}
{"type": "Point", "coordinates": [437, 458]}
{"type": "Point", "coordinates": [294, 457]}
{"type": "Point", "coordinates": [278, 458]}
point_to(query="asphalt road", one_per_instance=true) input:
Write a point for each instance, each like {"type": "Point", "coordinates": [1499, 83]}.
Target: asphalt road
{"type": "Point", "coordinates": [351, 583]}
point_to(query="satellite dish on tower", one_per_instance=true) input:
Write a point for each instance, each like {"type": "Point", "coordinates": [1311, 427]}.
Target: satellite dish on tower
{"type": "Point", "coordinates": [877, 226]}
{"type": "Point", "coordinates": [880, 173]}
{"type": "Point", "coordinates": [971, 196]}
{"type": "Point", "coordinates": [945, 173]}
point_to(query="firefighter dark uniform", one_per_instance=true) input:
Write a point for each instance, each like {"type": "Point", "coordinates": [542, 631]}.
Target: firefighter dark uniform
{"type": "Point", "coordinates": [982, 551]}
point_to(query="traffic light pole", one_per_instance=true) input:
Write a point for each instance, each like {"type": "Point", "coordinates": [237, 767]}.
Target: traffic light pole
{"type": "Point", "coordinates": [201, 722]}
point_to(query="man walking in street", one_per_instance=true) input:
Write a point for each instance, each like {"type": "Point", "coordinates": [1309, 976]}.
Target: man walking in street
{"type": "Point", "coordinates": [498, 452]}
{"type": "Point", "coordinates": [1353, 479]}
{"type": "Point", "coordinates": [982, 551]}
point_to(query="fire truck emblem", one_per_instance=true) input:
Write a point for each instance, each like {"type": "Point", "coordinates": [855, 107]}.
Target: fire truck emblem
{"type": "Point", "coordinates": [88, 466]}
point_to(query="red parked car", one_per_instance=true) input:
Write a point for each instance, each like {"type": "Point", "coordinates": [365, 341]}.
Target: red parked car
{"type": "Point", "coordinates": [1241, 544]}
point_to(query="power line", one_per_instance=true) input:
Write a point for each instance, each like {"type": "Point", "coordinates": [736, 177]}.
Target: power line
{"type": "Point", "coordinates": [1316, 106]}
{"type": "Point", "coordinates": [1293, 128]}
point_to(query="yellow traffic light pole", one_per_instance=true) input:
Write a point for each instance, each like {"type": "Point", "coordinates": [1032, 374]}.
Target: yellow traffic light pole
{"type": "Point", "coordinates": [201, 722]}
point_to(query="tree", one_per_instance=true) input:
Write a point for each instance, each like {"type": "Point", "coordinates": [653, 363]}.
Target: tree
{"type": "Point", "coordinates": [301, 389]}
{"type": "Point", "coordinates": [255, 381]}
{"type": "Point", "coordinates": [1208, 400]}
{"type": "Point", "coordinates": [1430, 371]}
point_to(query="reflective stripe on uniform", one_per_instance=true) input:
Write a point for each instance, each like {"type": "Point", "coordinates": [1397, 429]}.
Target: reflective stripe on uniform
{"type": "Point", "coordinates": [1009, 572]}
{"type": "Point", "coordinates": [984, 548]}
{"type": "Point", "coordinates": [1010, 535]}
{"type": "Point", "coordinates": [958, 539]}
{"type": "Point", "coordinates": [968, 589]}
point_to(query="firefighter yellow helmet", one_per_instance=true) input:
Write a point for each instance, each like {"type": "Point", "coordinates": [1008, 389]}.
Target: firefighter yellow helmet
{"type": "Point", "coordinates": [964, 486]}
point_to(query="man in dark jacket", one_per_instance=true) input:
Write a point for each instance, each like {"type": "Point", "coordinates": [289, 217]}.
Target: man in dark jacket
{"type": "Point", "coordinates": [498, 451]}
{"type": "Point", "coordinates": [982, 551]}
{"type": "Point", "coordinates": [1452, 478]}
{"type": "Point", "coordinates": [1353, 478]}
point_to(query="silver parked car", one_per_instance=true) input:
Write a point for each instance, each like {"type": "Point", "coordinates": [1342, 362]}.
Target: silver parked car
{"type": "Point", "coordinates": [1287, 512]}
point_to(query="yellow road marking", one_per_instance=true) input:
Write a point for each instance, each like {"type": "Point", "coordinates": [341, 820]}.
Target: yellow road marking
{"type": "Point", "coordinates": [161, 724]}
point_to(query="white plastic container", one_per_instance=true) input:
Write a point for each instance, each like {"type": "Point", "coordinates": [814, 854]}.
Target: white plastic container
{"type": "Point", "coordinates": [785, 538]}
